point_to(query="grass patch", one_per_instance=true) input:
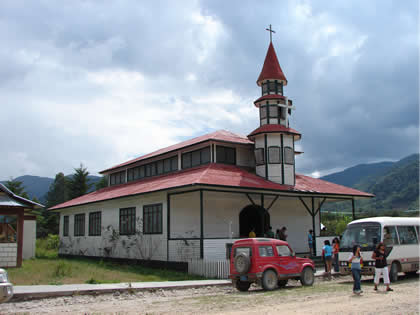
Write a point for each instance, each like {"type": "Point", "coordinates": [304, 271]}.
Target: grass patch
{"type": "Point", "coordinates": [82, 270]}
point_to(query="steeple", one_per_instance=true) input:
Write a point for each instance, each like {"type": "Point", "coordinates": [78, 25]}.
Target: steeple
{"type": "Point", "coordinates": [271, 69]}
{"type": "Point", "coordinates": [274, 140]}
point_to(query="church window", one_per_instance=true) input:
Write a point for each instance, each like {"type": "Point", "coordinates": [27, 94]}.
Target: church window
{"type": "Point", "coordinates": [95, 223]}
{"type": "Point", "coordinates": [272, 87]}
{"type": "Point", "coordinates": [289, 156]}
{"type": "Point", "coordinates": [174, 163]}
{"type": "Point", "coordinates": [274, 156]}
{"type": "Point", "coordinates": [225, 155]}
{"type": "Point", "coordinates": [259, 156]}
{"type": "Point", "coordinates": [186, 160]}
{"type": "Point", "coordinates": [166, 165]}
{"type": "Point", "coordinates": [141, 171]}
{"type": "Point", "coordinates": [205, 155]}
{"type": "Point", "coordinates": [130, 174]}
{"type": "Point", "coordinates": [118, 178]}
{"type": "Point", "coordinates": [263, 112]}
{"type": "Point", "coordinates": [264, 88]}
{"type": "Point", "coordinates": [127, 221]}
{"type": "Point", "coordinates": [195, 158]}
{"type": "Point", "coordinates": [152, 219]}
{"type": "Point", "coordinates": [273, 111]}
{"type": "Point", "coordinates": [66, 225]}
{"type": "Point", "coordinates": [79, 224]}
{"type": "Point", "coordinates": [160, 167]}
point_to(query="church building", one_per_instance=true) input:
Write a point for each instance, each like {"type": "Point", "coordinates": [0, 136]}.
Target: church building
{"type": "Point", "coordinates": [192, 200]}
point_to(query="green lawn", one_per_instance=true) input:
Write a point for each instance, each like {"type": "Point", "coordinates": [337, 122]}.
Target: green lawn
{"type": "Point", "coordinates": [80, 270]}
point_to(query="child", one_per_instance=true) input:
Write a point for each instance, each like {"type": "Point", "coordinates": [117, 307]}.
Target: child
{"type": "Point", "coordinates": [356, 268]}
{"type": "Point", "coordinates": [381, 266]}
{"type": "Point", "coordinates": [327, 250]}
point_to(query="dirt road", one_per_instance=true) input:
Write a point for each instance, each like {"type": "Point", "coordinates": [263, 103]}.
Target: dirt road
{"type": "Point", "coordinates": [325, 297]}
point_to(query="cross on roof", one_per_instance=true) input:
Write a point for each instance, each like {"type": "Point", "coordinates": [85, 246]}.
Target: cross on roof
{"type": "Point", "coordinates": [271, 32]}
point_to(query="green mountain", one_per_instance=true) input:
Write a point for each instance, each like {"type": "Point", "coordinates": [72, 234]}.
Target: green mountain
{"type": "Point", "coordinates": [38, 187]}
{"type": "Point", "coordinates": [395, 185]}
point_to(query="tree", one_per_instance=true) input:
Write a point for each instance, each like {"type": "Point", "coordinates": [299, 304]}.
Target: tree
{"type": "Point", "coordinates": [16, 187]}
{"type": "Point", "coordinates": [47, 221]}
{"type": "Point", "coordinates": [79, 183]}
{"type": "Point", "coordinates": [102, 183]}
{"type": "Point", "coordinates": [59, 191]}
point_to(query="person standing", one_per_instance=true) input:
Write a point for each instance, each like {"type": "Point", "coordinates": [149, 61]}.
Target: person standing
{"type": "Point", "coordinates": [356, 261]}
{"type": "Point", "coordinates": [381, 267]}
{"type": "Point", "coordinates": [269, 232]}
{"type": "Point", "coordinates": [327, 250]}
{"type": "Point", "coordinates": [252, 233]}
{"type": "Point", "coordinates": [283, 233]}
{"type": "Point", "coordinates": [336, 250]}
{"type": "Point", "coordinates": [311, 242]}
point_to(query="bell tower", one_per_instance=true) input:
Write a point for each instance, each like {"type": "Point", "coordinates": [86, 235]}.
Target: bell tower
{"type": "Point", "coordinates": [274, 139]}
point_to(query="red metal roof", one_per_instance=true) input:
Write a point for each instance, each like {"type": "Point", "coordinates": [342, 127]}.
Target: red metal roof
{"type": "Point", "coordinates": [271, 97]}
{"type": "Point", "coordinates": [219, 135]}
{"type": "Point", "coordinates": [271, 68]}
{"type": "Point", "coordinates": [275, 128]}
{"type": "Point", "coordinates": [213, 174]}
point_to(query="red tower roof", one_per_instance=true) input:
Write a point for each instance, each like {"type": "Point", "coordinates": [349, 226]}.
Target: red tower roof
{"type": "Point", "coordinates": [271, 68]}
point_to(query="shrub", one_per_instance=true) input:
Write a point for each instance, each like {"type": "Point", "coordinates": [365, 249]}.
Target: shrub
{"type": "Point", "coordinates": [53, 241]}
{"type": "Point", "coordinates": [62, 269]}
{"type": "Point", "coordinates": [45, 248]}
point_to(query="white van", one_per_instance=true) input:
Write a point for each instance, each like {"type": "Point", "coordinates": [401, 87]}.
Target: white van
{"type": "Point", "coordinates": [400, 236]}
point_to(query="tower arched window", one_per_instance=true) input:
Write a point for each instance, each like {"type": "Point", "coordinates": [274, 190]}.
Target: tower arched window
{"type": "Point", "coordinates": [274, 155]}
{"type": "Point", "coordinates": [289, 156]}
{"type": "Point", "coordinates": [259, 156]}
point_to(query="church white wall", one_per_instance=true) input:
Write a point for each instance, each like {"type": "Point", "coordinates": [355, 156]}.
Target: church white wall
{"type": "Point", "coordinates": [29, 239]}
{"type": "Point", "coordinates": [292, 214]}
{"type": "Point", "coordinates": [221, 213]}
{"type": "Point", "coordinates": [185, 215]}
{"type": "Point", "coordinates": [144, 247]}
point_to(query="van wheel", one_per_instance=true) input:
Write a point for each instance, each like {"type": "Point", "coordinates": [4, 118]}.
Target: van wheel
{"type": "Point", "coordinates": [282, 283]}
{"type": "Point", "coordinates": [269, 280]}
{"type": "Point", "coordinates": [393, 274]}
{"type": "Point", "coordinates": [242, 286]}
{"type": "Point", "coordinates": [307, 276]}
{"type": "Point", "coordinates": [242, 263]}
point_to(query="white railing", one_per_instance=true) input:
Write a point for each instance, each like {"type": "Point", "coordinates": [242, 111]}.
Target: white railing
{"type": "Point", "coordinates": [216, 269]}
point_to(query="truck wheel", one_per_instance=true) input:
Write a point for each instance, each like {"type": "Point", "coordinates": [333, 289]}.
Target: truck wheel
{"type": "Point", "coordinates": [393, 273]}
{"type": "Point", "coordinates": [269, 280]}
{"type": "Point", "coordinates": [282, 283]}
{"type": "Point", "coordinates": [242, 286]}
{"type": "Point", "coordinates": [307, 276]}
{"type": "Point", "coordinates": [242, 263]}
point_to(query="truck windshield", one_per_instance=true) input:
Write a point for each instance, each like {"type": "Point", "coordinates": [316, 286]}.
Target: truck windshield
{"type": "Point", "coordinates": [367, 235]}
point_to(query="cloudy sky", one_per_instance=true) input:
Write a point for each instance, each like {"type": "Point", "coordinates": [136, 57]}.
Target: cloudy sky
{"type": "Point", "coordinates": [101, 82]}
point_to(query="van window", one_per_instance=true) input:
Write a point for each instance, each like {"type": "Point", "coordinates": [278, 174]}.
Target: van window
{"type": "Point", "coordinates": [407, 235]}
{"type": "Point", "coordinates": [390, 236]}
{"type": "Point", "coordinates": [283, 250]}
{"type": "Point", "coordinates": [265, 251]}
{"type": "Point", "coordinates": [246, 250]}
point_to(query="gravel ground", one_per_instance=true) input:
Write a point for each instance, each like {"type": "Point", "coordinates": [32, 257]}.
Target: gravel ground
{"type": "Point", "coordinates": [324, 297]}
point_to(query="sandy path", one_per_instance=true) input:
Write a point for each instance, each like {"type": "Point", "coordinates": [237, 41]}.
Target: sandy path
{"type": "Point", "coordinates": [332, 297]}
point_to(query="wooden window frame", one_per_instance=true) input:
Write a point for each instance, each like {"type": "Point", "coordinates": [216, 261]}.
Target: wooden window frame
{"type": "Point", "coordinates": [153, 219]}
{"type": "Point", "coordinates": [263, 156]}
{"type": "Point", "coordinates": [66, 224]}
{"type": "Point", "coordinates": [130, 215]}
{"type": "Point", "coordinates": [285, 156]}
{"type": "Point", "coordinates": [79, 224]}
{"type": "Point", "coordinates": [280, 156]}
{"type": "Point", "coordinates": [224, 161]}
{"type": "Point", "coordinates": [95, 223]}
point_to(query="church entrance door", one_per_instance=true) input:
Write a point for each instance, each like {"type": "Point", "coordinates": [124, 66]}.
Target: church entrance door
{"type": "Point", "coordinates": [253, 216]}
